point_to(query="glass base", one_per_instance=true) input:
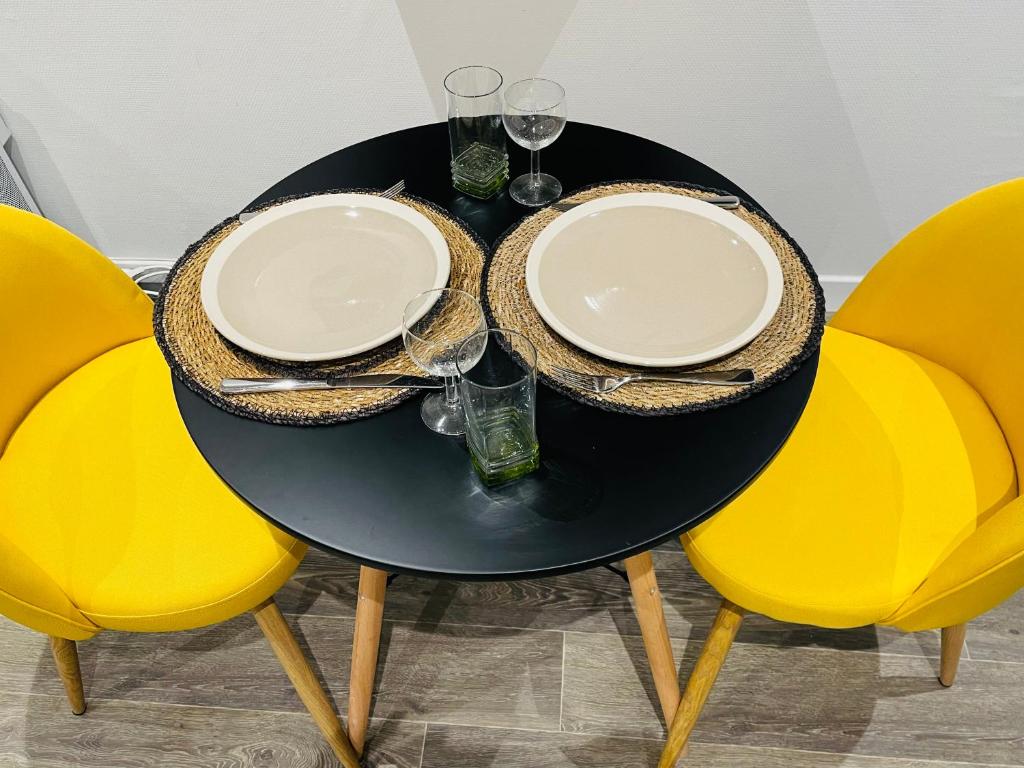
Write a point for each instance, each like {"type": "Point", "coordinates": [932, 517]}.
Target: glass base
{"type": "Point", "coordinates": [481, 171]}
{"type": "Point", "coordinates": [502, 446]}
{"type": "Point", "coordinates": [481, 191]}
{"type": "Point", "coordinates": [536, 190]}
{"type": "Point", "coordinates": [441, 418]}
{"type": "Point", "coordinates": [507, 473]}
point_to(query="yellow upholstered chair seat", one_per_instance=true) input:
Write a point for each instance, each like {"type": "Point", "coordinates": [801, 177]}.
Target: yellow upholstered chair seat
{"type": "Point", "coordinates": [105, 491]}
{"type": "Point", "coordinates": [109, 516]}
{"type": "Point", "coordinates": [891, 466]}
{"type": "Point", "coordinates": [895, 499]}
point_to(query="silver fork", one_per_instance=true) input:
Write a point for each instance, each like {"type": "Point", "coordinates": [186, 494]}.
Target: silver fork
{"type": "Point", "coordinates": [388, 194]}
{"type": "Point", "coordinates": [394, 190]}
{"type": "Point", "coordinates": [729, 202]}
{"type": "Point", "coordinates": [602, 385]}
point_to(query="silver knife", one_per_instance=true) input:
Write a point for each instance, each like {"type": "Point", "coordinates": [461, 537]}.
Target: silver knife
{"type": "Point", "coordinates": [362, 381]}
{"type": "Point", "coordinates": [729, 202]}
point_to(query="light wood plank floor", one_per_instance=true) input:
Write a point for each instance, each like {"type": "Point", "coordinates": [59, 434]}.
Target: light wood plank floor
{"type": "Point", "coordinates": [539, 674]}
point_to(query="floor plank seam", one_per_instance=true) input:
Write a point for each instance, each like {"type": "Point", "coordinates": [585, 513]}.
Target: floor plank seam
{"type": "Point", "coordinates": [423, 746]}
{"type": "Point", "coordinates": [422, 623]}
{"type": "Point", "coordinates": [603, 633]}
{"type": "Point", "coordinates": [862, 755]}
{"type": "Point", "coordinates": [521, 729]}
{"type": "Point", "coordinates": [750, 747]}
{"type": "Point", "coordinates": [974, 660]}
{"type": "Point", "coordinates": [575, 734]}
{"type": "Point", "coordinates": [298, 712]}
{"type": "Point", "coordinates": [701, 638]}
{"type": "Point", "coordinates": [561, 689]}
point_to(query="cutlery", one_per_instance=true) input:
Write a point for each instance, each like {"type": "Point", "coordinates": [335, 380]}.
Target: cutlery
{"type": "Point", "coordinates": [388, 194]}
{"type": "Point", "coordinates": [729, 202]}
{"type": "Point", "coordinates": [602, 385]}
{"type": "Point", "coordinates": [362, 381]}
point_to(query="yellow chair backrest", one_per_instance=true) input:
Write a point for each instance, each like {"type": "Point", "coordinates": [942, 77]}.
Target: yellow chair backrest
{"type": "Point", "coordinates": [62, 304]}
{"type": "Point", "coordinates": [982, 572]}
{"type": "Point", "coordinates": [953, 292]}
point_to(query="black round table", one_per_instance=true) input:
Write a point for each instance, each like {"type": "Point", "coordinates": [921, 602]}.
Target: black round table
{"type": "Point", "coordinates": [398, 498]}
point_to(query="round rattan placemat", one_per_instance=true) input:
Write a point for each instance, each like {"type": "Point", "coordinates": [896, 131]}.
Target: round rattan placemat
{"type": "Point", "coordinates": [792, 335]}
{"type": "Point", "coordinates": [201, 357]}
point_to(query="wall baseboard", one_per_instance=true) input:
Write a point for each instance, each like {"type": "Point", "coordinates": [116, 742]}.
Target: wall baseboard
{"type": "Point", "coordinates": [148, 274]}
{"type": "Point", "coordinates": [837, 288]}
{"type": "Point", "coordinates": [133, 265]}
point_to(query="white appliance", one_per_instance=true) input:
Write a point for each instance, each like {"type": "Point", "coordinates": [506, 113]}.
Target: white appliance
{"type": "Point", "coordinates": [12, 189]}
{"type": "Point", "coordinates": [14, 192]}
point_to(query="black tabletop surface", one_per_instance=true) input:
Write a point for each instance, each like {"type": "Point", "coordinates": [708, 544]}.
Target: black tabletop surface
{"type": "Point", "coordinates": [388, 493]}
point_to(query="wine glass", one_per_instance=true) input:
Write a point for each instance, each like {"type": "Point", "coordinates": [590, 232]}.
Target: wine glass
{"type": "Point", "coordinates": [434, 325]}
{"type": "Point", "coordinates": [534, 116]}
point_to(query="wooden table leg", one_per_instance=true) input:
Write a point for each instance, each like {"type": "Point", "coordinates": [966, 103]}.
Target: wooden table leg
{"type": "Point", "coordinates": [365, 642]}
{"type": "Point", "coordinates": [651, 615]}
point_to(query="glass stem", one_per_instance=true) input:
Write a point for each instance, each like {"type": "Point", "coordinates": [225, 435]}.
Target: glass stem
{"type": "Point", "coordinates": [451, 392]}
{"type": "Point", "coordinates": [534, 167]}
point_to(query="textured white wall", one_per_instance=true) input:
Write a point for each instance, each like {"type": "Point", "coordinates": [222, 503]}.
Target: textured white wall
{"type": "Point", "coordinates": [138, 125]}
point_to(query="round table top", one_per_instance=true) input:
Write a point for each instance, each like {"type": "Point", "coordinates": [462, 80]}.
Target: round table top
{"type": "Point", "coordinates": [389, 493]}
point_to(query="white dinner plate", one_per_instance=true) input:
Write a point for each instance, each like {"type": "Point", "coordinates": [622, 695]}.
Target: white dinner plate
{"type": "Point", "coordinates": [654, 279]}
{"type": "Point", "coordinates": [322, 277]}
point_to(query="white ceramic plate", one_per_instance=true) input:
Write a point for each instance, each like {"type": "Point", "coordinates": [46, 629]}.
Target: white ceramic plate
{"type": "Point", "coordinates": [322, 277]}
{"type": "Point", "coordinates": [654, 279]}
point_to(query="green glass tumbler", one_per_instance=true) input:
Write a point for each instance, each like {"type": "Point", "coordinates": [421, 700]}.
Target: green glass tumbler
{"type": "Point", "coordinates": [479, 157]}
{"type": "Point", "coordinates": [498, 382]}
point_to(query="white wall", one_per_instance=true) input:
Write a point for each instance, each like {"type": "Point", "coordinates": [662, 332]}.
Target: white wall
{"type": "Point", "coordinates": [140, 124]}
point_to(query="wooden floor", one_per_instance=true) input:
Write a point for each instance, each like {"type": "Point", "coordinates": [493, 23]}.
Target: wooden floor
{"type": "Point", "coordinates": [537, 674]}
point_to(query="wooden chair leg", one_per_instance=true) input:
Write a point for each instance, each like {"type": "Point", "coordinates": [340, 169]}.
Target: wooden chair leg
{"type": "Point", "coordinates": [712, 655]}
{"type": "Point", "coordinates": [296, 666]}
{"type": "Point", "coordinates": [952, 646]}
{"type": "Point", "coordinates": [365, 643]}
{"type": "Point", "coordinates": [650, 613]}
{"type": "Point", "coordinates": [65, 654]}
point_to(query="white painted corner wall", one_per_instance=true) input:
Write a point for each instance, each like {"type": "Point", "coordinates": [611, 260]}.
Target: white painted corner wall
{"type": "Point", "coordinates": [139, 125]}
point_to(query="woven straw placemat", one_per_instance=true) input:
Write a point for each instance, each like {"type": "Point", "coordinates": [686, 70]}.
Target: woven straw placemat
{"type": "Point", "coordinates": [201, 357]}
{"type": "Point", "coordinates": [792, 336]}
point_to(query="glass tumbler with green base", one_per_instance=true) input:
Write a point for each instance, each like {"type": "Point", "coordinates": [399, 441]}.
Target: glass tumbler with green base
{"type": "Point", "coordinates": [479, 158]}
{"type": "Point", "coordinates": [498, 381]}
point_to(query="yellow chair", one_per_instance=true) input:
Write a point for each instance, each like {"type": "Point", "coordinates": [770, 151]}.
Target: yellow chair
{"type": "Point", "coordinates": [109, 517]}
{"type": "Point", "coordinates": [895, 499]}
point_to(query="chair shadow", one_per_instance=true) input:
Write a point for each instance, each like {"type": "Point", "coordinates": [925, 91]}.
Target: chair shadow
{"type": "Point", "coordinates": [122, 665]}
{"type": "Point", "coordinates": [861, 655]}
{"type": "Point", "coordinates": [613, 599]}
{"type": "Point", "coordinates": [401, 663]}
{"type": "Point", "coordinates": [151, 655]}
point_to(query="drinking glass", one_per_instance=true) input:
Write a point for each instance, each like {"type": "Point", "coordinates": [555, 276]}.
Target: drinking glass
{"type": "Point", "coordinates": [498, 379]}
{"type": "Point", "coordinates": [434, 324]}
{"type": "Point", "coordinates": [479, 158]}
{"type": "Point", "coordinates": [534, 116]}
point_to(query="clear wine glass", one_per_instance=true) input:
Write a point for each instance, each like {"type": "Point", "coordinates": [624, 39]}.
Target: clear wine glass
{"type": "Point", "coordinates": [534, 116]}
{"type": "Point", "coordinates": [434, 325]}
